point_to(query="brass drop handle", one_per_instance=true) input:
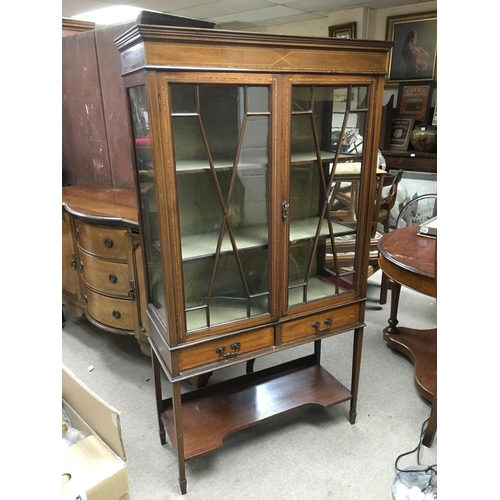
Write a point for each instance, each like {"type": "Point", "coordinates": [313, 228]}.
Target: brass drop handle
{"type": "Point", "coordinates": [236, 346]}
{"type": "Point", "coordinates": [327, 322]}
{"type": "Point", "coordinates": [108, 242]}
{"type": "Point", "coordinates": [113, 278]}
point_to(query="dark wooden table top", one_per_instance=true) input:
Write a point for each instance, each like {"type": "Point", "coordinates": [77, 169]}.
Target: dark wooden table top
{"type": "Point", "coordinates": [409, 259]}
{"type": "Point", "coordinates": [108, 202]}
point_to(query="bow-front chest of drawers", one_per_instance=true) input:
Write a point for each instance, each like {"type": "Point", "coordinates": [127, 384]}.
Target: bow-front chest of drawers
{"type": "Point", "coordinates": [102, 270]}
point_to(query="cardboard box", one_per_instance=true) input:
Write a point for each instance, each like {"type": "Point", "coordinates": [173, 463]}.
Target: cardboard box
{"type": "Point", "coordinates": [94, 468]}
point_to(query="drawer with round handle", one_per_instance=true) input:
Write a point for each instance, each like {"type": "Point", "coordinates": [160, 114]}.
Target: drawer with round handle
{"type": "Point", "coordinates": [105, 276]}
{"type": "Point", "coordinates": [230, 347]}
{"type": "Point", "coordinates": [320, 324]}
{"type": "Point", "coordinates": [110, 311]}
{"type": "Point", "coordinates": [101, 241]}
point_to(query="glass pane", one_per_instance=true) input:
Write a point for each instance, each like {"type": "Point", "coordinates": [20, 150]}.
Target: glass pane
{"type": "Point", "coordinates": [222, 164]}
{"type": "Point", "coordinates": [145, 170]}
{"type": "Point", "coordinates": [346, 103]}
{"type": "Point", "coordinates": [302, 138]}
{"type": "Point", "coordinates": [258, 99]}
{"type": "Point", "coordinates": [183, 99]}
{"type": "Point", "coordinates": [301, 98]}
{"type": "Point", "coordinates": [359, 98]}
{"type": "Point", "coordinates": [325, 166]}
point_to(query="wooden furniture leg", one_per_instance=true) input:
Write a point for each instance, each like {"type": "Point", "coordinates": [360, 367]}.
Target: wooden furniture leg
{"type": "Point", "coordinates": [250, 365]}
{"type": "Point", "coordinates": [430, 432]}
{"type": "Point", "coordinates": [356, 364]}
{"type": "Point", "coordinates": [158, 395]}
{"type": "Point", "coordinates": [200, 380]}
{"type": "Point", "coordinates": [317, 351]}
{"type": "Point", "coordinates": [384, 287]}
{"type": "Point", "coordinates": [393, 320]}
{"type": "Point", "coordinates": [179, 435]}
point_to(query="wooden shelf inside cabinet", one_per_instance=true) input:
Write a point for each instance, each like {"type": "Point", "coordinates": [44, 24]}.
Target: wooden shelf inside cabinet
{"type": "Point", "coordinates": [410, 160]}
{"type": "Point", "coordinates": [211, 413]}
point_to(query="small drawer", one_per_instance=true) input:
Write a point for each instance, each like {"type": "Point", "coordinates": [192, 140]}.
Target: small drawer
{"type": "Point", "coordinates": [226, 348]}
{"type": "Point", "coordinates": [102, 241]}
{"type": "Point", "coordinates": [320, 323]}
{"type": "Point", "coordinates": [105, 276]}
{"type": "Point", "coordinates": [116, 313]}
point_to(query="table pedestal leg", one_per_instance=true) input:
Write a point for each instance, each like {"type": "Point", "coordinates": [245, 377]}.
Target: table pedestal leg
{"type": "Point", "coordinates": [393, 320]}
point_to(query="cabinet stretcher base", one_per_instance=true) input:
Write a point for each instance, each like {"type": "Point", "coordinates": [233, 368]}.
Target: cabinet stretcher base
{"type": "Point", "coordinates": [211, 413]}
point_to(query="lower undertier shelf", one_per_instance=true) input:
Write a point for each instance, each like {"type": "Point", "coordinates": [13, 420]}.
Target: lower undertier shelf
{"type": "Point", "coordinates": [211, 413]}
{"type": "Point", "coordinates": [420, 346]}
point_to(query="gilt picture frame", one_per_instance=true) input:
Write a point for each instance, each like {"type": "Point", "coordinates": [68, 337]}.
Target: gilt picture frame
{"type": "Point", "coordinates": [414, 54]}
{"type": "Point", "coordinates": [347, 30]}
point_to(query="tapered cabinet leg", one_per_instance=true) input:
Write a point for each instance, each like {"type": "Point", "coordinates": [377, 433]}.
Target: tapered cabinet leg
{"type": "Point", "coordinates": [356, 365]}
{"type": "Point", "coordinates": [179, 436]}
{"type": "Point", "coordinates": [158, 395]}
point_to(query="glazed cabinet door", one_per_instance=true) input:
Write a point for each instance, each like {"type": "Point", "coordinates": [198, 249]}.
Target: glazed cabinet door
{"type": "Point", "coordinates": [330, 159]}
{"type": "Point", "coordinates": [210, 218]}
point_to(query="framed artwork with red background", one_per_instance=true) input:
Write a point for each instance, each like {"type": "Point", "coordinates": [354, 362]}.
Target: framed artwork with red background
{"type": "Point", "coordinates": [415, 99]}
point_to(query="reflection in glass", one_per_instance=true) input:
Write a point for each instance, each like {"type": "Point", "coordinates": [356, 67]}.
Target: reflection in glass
{"type": "Point", "coordinates": [183, 98]}
{"type": "Point", "coordinates": [145, 171]}
{"type": "Point", "coordinates": [325, 167]}
{"type": "Point", "coordinates": [221, 149]}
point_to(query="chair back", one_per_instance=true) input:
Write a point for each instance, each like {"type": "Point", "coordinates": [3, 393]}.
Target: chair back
{"type": "Point", "coordinates": [418, 210]}
{"type": "Point", "coordinates": [391, 180]}
{"type": "Point", "coordinates": [388, 198]}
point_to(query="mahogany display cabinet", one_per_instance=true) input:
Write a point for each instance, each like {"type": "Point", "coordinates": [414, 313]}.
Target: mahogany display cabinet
{"type": "Point", "coordinates": [239, 138]}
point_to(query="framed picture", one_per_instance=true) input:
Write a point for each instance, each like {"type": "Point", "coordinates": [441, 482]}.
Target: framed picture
{"type": "Point", "coordinates": [347, 30]}
{"type": "Point", "coordinates": [415, 99]}
{"type": "Point", "coordinates": [413, 56]}
{"type": "Point", "coordinates": [435, 115]}
{"type": "Point", "coordinates": [401, 128]}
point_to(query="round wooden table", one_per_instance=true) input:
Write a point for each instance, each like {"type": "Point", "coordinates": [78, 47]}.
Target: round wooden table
{"type": "Point", "coordinates": [409, 259]}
